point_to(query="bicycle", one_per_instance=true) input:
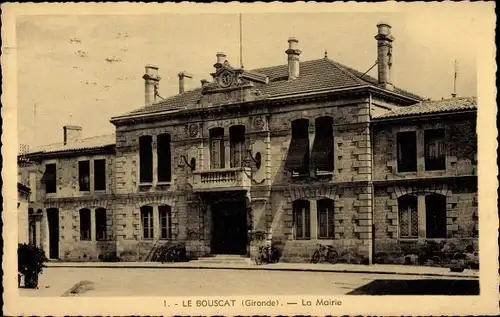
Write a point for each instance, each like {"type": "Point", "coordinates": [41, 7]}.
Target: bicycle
{"type": "Point", "coordinates": [326, 254]}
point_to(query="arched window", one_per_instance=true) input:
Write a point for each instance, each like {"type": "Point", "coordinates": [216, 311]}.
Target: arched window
{"type": "Point", "coordinates": [237, 145]}
{"type": "Point", "coordinates": [301, 219]}
{"type": "Point", "coordinates": [322, 151]}
{"type": "Point", "coordinates": [408, 216]}
{"type": "Point", "coordinates": [435, 213]}
{"type": "Point", "coordinates": [164, 158]}
{"type": "Point", "coordinates": [85, 224]}
{"type": "Point", "coordinates": [326, 223]}
{"type": "Point", "coordinates": [165, 215]}
{"type": "Point", "coordinates": [145, 159]}
{"type": "Point", "coordinates": [297, 160]}
{"type": "Point", "coordinates": [100, 224]}
{"type": "Point", "coordinates": [217, 148]}
{"type": "Point", "coordinates": [147, 222]}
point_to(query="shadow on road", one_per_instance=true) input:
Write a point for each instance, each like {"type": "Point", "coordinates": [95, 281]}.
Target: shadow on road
{"type": "Point", "coordinates": [419, 287]}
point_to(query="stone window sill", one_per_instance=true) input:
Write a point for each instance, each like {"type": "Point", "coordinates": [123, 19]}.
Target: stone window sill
{"type": "Point", "coordinates": [299, 176]}
{"type": "Point", "coordinates": [164, 183]}
{"type": "Point", "coordinates": [408, 239]}
{"type": "Point", "coordinates": [145, 184]}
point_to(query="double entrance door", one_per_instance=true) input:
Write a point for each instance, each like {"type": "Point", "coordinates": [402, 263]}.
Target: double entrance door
{"type": "Point", "coordinates": [229, 223]}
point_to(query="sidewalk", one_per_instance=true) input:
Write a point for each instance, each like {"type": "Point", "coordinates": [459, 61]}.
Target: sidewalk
{"type": "Point", "coordinates": [305, 267]}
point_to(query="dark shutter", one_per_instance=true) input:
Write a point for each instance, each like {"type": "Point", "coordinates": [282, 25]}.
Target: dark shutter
{"type": "Point", "coordinates": [322, 154]}
{"type": "Point", "coordinates": [298, 154]}
{"type": "Point", "coordinates": [49, 174]}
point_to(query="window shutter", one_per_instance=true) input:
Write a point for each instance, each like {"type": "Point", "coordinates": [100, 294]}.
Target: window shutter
{"type": "Point", "coordinates": [322, 158]}
{"type": "Point", "coordinates": [297, 155]}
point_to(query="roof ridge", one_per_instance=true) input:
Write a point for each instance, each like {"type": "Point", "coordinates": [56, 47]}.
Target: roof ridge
{"type": "Point", "coordinates": [79, 141]}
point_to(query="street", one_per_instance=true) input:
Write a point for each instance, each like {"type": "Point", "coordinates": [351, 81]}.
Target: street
{"type": "Point", "coordinates": [208, 282]}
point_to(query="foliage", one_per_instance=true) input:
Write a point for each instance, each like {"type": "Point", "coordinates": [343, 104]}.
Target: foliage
{"type": "Point", "coordinates": [267, 254]}
{"type": "Point", "coordinates": [30, 259]}
{"type": "Point", "coordinates": [170, 253]}
{"type": "Point", "coordinates": [110, 257]}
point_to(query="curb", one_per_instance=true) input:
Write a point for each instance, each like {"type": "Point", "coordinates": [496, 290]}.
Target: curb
{"type": "Point", "coordinates": [259, 268]}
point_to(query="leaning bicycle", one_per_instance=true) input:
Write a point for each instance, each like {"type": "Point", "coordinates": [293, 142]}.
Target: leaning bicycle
{"type": "Point", "coordinates": [325, 254]}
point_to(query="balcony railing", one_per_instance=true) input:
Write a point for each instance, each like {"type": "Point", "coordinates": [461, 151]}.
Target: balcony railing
{"type": "Point", "coordinates": [222, 179]}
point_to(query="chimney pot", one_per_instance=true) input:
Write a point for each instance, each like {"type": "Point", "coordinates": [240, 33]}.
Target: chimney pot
{"type": "Point", "coordinates": [293, 58]}
{"type": "Point", "coordinates": [221, 59]}
{"type": "Point", "coordinates": [71, 134]}
{"type": "Point", "coordinates": [183, 75]}
{"type": "Point", "coordinates": [151, 84]}
{"type": "Point", "coordinates": [384, 55]}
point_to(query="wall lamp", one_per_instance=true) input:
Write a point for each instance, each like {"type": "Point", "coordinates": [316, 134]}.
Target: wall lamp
{"type": "Point", "coordinates": [191, 165]}
{"type": "Point", "coordinates": [257, 159]}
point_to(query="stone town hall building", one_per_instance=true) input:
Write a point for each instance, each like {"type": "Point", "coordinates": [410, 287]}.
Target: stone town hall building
{"type": "Point", "coordinates": [302, 153]}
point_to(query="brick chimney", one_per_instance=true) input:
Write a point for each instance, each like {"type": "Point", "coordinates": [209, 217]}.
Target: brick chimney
{"type": "Point", "coordinates": [384, 55]}
{"type": "Point", "coordinates": [72, 134]}
{"type": "Point", "coordinates": [293, 58]}
{"type": "Point", "coordinates": [183, 75]}
{"type": "Point", "coordinates": [151, 84]}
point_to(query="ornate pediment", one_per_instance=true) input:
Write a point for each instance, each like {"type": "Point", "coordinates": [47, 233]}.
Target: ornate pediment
{"type": "Point", "coordinates": [230, 84]}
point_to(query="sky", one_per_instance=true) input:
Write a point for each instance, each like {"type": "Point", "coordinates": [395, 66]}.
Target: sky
{"type": "Point", "coordinates": [84, 69]}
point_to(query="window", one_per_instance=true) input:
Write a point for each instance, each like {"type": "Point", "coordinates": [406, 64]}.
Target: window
{"type": "Point", "coordinates": [84, 175]}
{"type": "Point", "coordinates": [435, 213]}
{"type": "Point", "coordinates": [326, 224]}
{"type": "Point", "coordinates": [408, 216]}
{"type": "Point", "coordinates": [100, 224]}
{"type": "Point", "coordinates": [322, 151]}
{"type": "Point", "coordinates": [85, 224]}
{"type": "Point", "coordinates": [164, 158]}
{"type": "Point", "coordinates": [50, 178]}
{"type": "Point", "coordinates": [100, 174]}
{"type": "Point", "coordinates": [301, 219]}
{"type": "Point", "coordinates": [147, 222]}
{"type": "Point", "coordinates": [145, 159]}
{"type": "Point", "coordinates": [217, 148]}
{"type": "Point", "coordinates": [165, 216]}
{"type": "Point", "coordinates": [407, 151]}
{"type": "Point", "coordinates": [298, 154]}
{"type": "Point", "coordinates": [434, 150]}
{"type": "Point", "coordinates": [237, 145]}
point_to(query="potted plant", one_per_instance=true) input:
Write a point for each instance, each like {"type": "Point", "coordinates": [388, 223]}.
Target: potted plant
{"type": "Point", "coordinates": [30, 263]}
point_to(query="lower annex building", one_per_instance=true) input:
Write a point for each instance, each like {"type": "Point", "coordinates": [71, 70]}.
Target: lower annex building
{"type": "Point", "coordinates": [293, 155]}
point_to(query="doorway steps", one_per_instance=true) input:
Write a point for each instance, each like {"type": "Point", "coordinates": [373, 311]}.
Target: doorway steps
{"type": "Point", "coordinates": [229, 259]}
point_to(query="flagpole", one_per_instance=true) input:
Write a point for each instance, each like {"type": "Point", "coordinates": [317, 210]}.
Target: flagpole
{"type": "Point", "coordinates": [455, 80]}
{"type": "Point", "coordinates": [241, 43]}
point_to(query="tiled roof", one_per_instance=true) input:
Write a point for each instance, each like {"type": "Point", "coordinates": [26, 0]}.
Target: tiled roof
{"type": "Point", "coordinates": [84, 144]}
{"type": "Point", "coordinates": [435, 106]}
{"type": "Point", "coordinates": [319, 74]}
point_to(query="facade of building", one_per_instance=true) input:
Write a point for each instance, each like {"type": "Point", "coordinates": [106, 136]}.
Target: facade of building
{"type": "Point", "coordinates": [294, 155]}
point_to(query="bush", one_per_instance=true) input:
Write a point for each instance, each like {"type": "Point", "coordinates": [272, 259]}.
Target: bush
{"type": "Point", "coordinates": [30, 263]}
{"type": "Point", "coordinates": [110, 257]}
{"type": "Point", "coordinates": [170, 253]}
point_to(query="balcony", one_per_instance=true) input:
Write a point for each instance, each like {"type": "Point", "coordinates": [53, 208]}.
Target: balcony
{"type": "Point", "coordinates": [226, 179]}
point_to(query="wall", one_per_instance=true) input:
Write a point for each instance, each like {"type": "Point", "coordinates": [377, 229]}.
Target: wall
{"type": "Point", "coordinates": [458, 182]}
{"type": "Point", "coordinates": [67, 177]}
{"type": "Point", "coordinates": [22, 218]}
{"type": "Point", "coordinates": [461, 147]}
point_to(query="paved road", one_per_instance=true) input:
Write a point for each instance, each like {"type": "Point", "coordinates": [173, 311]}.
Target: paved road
{"type": "Point", "coordinates": [207, 282]}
